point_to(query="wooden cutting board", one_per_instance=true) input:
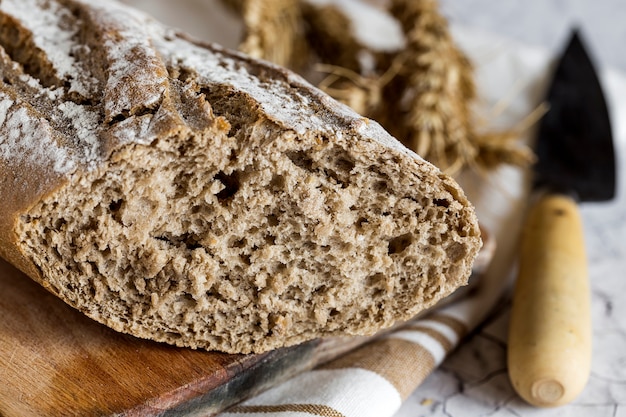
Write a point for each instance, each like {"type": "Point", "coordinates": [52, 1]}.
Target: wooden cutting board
{"type": "Point", "coordinates": [54, 361]}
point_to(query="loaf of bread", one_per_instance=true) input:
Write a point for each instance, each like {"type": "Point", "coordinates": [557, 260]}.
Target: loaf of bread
{"type": "Point", "coordinates": [188, 194]}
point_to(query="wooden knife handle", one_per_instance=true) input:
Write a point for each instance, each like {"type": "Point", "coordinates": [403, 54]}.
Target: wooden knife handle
{"type": "Point", "coordinates": [549, 349]}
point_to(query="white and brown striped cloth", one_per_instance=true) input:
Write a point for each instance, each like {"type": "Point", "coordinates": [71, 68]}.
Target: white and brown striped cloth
{"type": "Point", "coordinates": [374, 379]}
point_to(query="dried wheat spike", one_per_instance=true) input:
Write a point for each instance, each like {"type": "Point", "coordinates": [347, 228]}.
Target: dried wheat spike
{"type": "Point", "coordinates": [497, 148]}
{"type": "Point", "coordinates": [330, 35]}
{"type": "Point", "coordinates": [435, 86]}
{"type": "Point", "coordinates": [364, 94]}
{"type": "Point", "coordinates": [273, 31]}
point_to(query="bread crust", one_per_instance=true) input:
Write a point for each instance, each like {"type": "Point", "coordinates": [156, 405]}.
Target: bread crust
{"type": "Point", "coordinates": [103, 83]}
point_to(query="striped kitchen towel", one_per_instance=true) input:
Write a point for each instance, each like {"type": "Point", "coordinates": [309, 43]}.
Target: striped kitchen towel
{"type": "Point", "coordinates": [374, 379]}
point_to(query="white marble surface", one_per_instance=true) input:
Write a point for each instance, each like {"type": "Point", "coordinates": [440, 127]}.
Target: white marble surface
{"type": "Point", "coordinates": [474, 380]}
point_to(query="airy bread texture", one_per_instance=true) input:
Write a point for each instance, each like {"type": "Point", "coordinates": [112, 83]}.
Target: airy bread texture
{"type": "Point", "coordinates": [187, 194]}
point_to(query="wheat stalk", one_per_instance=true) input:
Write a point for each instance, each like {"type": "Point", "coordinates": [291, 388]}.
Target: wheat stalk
{"type": "Point", "coordinates": [273, 31]}
{"type": "Point", "coordinates": [330, 35]}
{"type": "Point", "coordinates": [434, 93]}
{"type": "Point", "coordinates": [436, 86]}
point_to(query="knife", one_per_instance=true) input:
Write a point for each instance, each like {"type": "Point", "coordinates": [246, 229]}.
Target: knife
{"type": "Point", "coordinates": [549, 345]}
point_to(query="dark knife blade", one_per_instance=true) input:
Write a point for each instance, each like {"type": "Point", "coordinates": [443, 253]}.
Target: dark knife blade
{"type": "Point", "coordinates": [575, 144]}
{"type": "Point", "coordinates": [549, 346]}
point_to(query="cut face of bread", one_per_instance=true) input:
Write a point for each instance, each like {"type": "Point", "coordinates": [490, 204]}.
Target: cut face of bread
{"type": "Point", "coordinates": [241, 210]}
{"type": "Point", "coordinates": [271, 239]}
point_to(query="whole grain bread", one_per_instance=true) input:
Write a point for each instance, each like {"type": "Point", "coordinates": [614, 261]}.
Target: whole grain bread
{"type": "Point", "coordinates": [188, 194]}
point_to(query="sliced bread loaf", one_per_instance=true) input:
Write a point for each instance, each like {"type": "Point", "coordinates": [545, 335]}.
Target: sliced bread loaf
{"type": "Point", "coordinates": [188, 194]}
